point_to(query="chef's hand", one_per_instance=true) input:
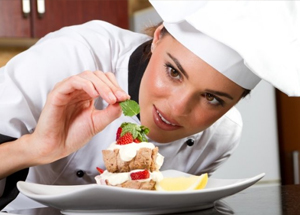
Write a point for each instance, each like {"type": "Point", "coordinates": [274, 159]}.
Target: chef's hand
{"type": "Point", "coordinates": [69, 119]}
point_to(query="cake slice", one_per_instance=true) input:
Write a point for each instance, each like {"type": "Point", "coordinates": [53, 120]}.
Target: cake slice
{"type": "Point", "coordinates": [131, 161]}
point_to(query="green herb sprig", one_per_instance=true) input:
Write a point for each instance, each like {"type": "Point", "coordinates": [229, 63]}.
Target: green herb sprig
{"type": "Point", "coordinates": [130, 108]}
{"type": "Point", "coordinates": [138, 131]}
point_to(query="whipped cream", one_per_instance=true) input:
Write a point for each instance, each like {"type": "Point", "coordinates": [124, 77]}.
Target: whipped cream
{"type": "Point", "coordinates": [159, 161]}
{"type": "Point", "coordinates": [119, 178]}
{"type": "Point", "coordinates": [128, 151]}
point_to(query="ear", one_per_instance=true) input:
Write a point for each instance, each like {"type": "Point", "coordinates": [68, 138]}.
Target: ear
{"type": "Point", "coordinates": [157, 35]}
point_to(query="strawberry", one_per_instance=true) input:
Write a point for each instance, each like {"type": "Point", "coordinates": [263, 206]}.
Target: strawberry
{"type": "Point", "coordinates": [119, 131]}
{"type": "Point", "coordinates": [136, 140]}
{"type": "Point", "coordinates": [140, 175]}
{"type": "Point", "coordinates": [100, 170]}
{"type": "Point", "coordinates": [125, 139]}
{"type": "Point", "coordinates": [138, 132]}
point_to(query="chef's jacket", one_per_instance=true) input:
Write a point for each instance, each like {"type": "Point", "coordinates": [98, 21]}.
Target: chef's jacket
{"type": "Point", "coordinates": [27, 79]}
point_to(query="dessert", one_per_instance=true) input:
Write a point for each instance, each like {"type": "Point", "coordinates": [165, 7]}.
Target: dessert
{"type": "Point", "coordinates": [131, 161]}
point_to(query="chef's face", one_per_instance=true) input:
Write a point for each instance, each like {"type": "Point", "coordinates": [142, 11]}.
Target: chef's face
{"type": "Point", "coordinates": [180, 94]}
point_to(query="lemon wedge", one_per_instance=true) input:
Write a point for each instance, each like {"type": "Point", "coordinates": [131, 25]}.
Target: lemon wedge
{"type": "Point", "coordinates": [182, 183]}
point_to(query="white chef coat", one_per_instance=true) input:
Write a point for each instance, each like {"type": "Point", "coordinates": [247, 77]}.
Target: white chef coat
{"type": "Point", "coordinates": [27, 79]}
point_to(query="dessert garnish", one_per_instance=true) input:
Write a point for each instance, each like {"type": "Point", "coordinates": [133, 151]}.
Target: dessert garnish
{"type": "Point", "coordinates": [130, 107]}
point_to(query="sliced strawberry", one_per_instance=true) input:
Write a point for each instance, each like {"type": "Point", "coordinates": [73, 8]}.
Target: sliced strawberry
{"type": "Point", "coordinates": [100, 170]}
{"type": "Point", "coordinates": [125, 139]}
{"type": "Point", "coordinates": [119, 131]}
{"type": "Point", "coordinates": [140, 175]}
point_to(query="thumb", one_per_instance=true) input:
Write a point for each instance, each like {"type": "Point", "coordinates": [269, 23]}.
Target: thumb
{"type": "Point", "coordinates": [102, 118]}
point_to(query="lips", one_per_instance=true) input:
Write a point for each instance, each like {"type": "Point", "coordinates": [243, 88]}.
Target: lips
{"type": "Point", "coordinates": [163, 119]}
{"type": "Point", "coordinates": [163, 122]}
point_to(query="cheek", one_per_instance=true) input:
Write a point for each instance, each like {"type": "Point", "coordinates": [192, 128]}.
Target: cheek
{"type": "Point", "coordinates": [154, 82]}
{"type": "Point", "coordinates": [204, 118]}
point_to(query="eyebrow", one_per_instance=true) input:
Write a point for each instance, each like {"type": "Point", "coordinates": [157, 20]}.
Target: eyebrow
{"type": "Point", "coordinates": [220, 94]}
{"type": "Point", "coordinates": [176, 61]}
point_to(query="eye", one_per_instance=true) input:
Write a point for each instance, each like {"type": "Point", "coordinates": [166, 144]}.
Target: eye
{"type": "Point", "coordinates": [213, 99]}
{"type": "Point", "coordinates": [173, 73]}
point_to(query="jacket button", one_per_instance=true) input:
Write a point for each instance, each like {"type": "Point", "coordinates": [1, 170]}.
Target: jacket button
{"type": "Point", "coordinates": [80, 173]}
{"type": "Point", "coordinates": [190, 142]}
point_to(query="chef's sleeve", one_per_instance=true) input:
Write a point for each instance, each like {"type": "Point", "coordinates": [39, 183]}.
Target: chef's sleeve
{"type": "Point", "coordinates": [8, 188]}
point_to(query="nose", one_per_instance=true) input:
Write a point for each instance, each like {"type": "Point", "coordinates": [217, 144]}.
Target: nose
{"type": "Point", "coordinates": [182, 103]}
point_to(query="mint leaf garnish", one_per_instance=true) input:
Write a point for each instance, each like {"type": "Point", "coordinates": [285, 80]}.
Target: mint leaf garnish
{"type": "Point", "coordinates": [130, 108]}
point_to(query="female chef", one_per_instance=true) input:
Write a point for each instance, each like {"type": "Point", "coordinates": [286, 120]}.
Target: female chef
{"type": "Point", "coordinates": [59, 99]}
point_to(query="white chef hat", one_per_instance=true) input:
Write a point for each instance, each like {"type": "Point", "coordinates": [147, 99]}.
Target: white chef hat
{"type": "Point", "coordinates": [245, 40]}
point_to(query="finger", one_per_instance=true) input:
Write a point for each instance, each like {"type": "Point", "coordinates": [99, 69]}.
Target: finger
{"type": "Point", "coordinates": [103, 88]}
{"type": "Point", "coordinates": [120, 95]}
{"type": "Point", "coordinates": [110, 80]}
{"type": "Point", "coordinates": [61, 92]}
{"type": "Point", "coordinates": [102, 118]}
